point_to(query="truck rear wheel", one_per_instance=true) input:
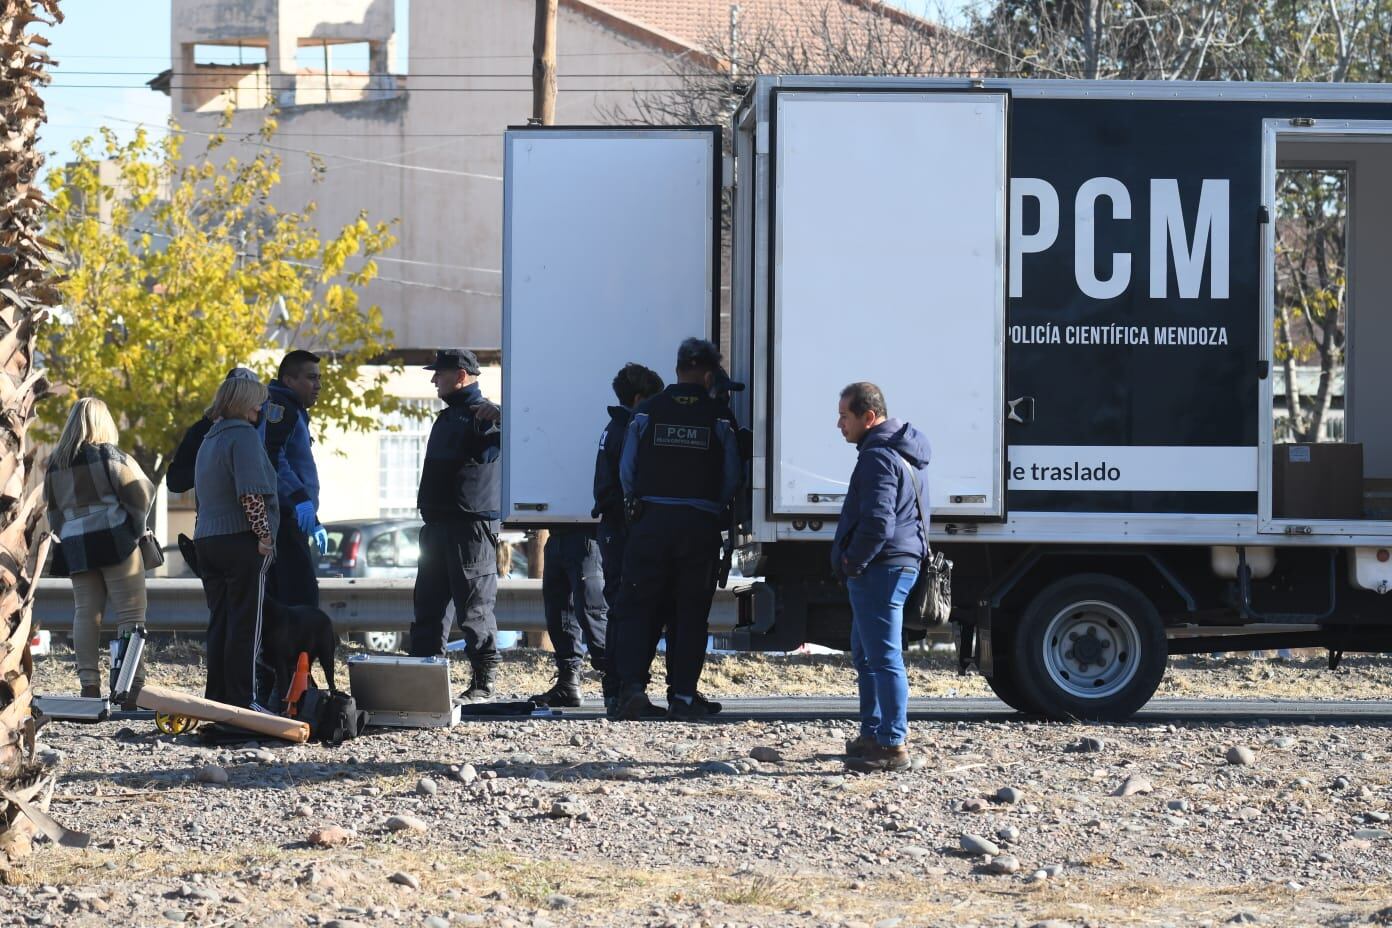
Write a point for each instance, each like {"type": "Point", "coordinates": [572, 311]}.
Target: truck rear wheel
{"type": "Point", "coordinates": [1004, 679]}
{"type": "Point", "coordinates": [1089, 647]}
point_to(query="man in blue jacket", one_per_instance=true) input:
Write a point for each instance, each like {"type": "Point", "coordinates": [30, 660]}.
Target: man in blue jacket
{"type": "Point", "coordinates": [879, 547]}
{"type": "Point", "coordinates": [285, 430]}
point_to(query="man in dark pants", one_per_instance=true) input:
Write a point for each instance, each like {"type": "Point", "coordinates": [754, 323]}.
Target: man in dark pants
{"type": "Point", "coordinates": [680, 468]}
{"type": "Point", "coordinates": [573, 575]}
{"type": "Point", "coordinates": [285, 430]}
{"type": "Point", "coordinates": [633, 384]}
{"type": "Point", "coordinates": [459, 501]}
{"type": "Point", "coordinates": [583, 565]}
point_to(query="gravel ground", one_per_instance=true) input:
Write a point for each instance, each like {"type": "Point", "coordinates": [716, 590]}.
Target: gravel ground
{"type": "Point", "coordinates": [178, 662]}
{"type": "Point", "coordinates": [554, 822]}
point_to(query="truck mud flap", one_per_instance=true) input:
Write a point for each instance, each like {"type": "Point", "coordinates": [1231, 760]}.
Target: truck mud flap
{"type": "Point", "coordinates": [768, 623]}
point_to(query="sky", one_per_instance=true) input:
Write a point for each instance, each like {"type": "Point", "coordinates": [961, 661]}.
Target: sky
{"type": "Point", "coordinates": [107, 49]}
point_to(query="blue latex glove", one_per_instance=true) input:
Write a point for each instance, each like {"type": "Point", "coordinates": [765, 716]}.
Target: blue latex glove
{"type": "Point", "coordinates": [321, 538]}
{"type": "Point", "coordinates": [304, 517]}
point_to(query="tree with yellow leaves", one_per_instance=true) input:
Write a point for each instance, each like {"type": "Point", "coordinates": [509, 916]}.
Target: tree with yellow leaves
{"type": "Point", "coordinates": [180, 271]}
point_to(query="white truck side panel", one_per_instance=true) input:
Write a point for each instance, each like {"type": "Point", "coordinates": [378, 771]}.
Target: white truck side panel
{"type": "Point", "coordinates": [608, 257]}
{"type": "Point", "coordinates": [890, 262]}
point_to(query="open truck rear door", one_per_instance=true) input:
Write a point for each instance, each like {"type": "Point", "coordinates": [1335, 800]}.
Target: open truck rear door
{"type": "Point", "coordinates": [890, 233]}
{"type": "Point", "coordinates": [610, 255]}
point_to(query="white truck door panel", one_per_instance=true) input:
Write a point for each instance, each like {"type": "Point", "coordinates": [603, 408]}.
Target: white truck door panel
{"type": "Point", "coordinates": [609, 255]}
{"type": "Point", "coordinates": [890, 238]}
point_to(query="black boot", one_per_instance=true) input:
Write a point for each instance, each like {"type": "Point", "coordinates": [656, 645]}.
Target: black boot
{"type": "Point", "coordinates": [566, 691]}
{"type": "Point", "coordinates": [610, 688]}
{"type": "Point", "coordinates": [481, 686]}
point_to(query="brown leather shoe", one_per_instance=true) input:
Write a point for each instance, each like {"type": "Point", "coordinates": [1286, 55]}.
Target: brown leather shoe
{"type": "Point", "coordinates": [878, 757]}
{"type": "Point", "coordinates": [91, 691]}
{"type": "Point", "coordinates": [856, 747]}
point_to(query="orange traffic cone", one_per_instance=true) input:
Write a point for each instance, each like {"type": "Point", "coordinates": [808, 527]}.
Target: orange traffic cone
{"type": "Point", "coordinates": [298, 684]}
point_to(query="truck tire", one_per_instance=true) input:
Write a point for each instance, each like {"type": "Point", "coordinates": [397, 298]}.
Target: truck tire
{"type": "Point", "coordinates": [1004, 679]}
{"type": "Point", "coordinates": [1089, 647]}
{"type": "Point", "coordinates": [1006, 686]}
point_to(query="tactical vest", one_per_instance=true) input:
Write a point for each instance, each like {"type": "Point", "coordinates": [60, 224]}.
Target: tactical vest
{"type": "Point", "coordinates": [679, 454]}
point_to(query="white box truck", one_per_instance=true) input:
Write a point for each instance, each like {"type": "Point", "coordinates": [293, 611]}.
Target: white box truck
{"type": "Point", "coordinates": [1069, 286]}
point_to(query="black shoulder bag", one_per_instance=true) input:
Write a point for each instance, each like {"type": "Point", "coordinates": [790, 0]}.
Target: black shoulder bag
{"type": "Point", "coordinates": [930, 601]}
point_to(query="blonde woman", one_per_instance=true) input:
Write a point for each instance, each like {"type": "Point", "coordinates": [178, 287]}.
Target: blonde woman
{"type": "Point", "coordinates": [238, 516]}
{"type": "Point", "coordinates": [98, 499]}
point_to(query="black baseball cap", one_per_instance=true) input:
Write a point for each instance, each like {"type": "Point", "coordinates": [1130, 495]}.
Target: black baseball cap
{"type": "Point", "coordinates": [455, 359]}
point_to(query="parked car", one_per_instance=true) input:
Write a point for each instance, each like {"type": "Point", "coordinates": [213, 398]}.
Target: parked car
{"type": "Point", "coordinates": [377, 548]}
{"type": "Point", "coordinates": [391, 548]}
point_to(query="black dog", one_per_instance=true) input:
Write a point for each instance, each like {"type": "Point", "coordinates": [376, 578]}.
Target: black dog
{"type": "Point", "coordinates": [286, 633]}
{"type": "Point", "coordinates": [289, 631]}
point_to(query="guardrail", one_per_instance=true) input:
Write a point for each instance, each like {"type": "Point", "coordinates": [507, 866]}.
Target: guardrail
{"type": "Point", "coordinates": [367, 605]}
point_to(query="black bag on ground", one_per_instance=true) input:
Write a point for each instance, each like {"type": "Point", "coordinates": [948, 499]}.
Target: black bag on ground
{"type": "Point", "coordinates": [333, 717]}
{"type": "Point", "coordinates": [930, 601]}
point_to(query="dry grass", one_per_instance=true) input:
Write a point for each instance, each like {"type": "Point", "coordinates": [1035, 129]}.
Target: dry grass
{"type": "Point", "coordinates": [761, 890]}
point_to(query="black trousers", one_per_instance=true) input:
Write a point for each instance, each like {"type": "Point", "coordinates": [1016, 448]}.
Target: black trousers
{"type": "Point", "coordinates": [669, 566]}
{"type": "Point", "coordinates": [292, 579]}
{"type": "Point", "coordinates": [574, 575]}
{"type": "Point", "coordinates": [613, 541]}
{"type": "Point", "coordinates": [459, 562]}
{"type": "Point", "coordinates": [234, 585]}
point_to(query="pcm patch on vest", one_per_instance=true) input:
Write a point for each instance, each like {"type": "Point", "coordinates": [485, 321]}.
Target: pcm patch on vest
{"type": "Point", "coordinates": [682, 436]}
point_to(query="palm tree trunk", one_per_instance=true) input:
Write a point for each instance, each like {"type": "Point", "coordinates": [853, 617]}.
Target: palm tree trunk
{"type": "Point", "coordinates": [26, 289]}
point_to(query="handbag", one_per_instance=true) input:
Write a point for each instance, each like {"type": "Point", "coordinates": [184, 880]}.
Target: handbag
{"type": "Point", "coordinates": [151, 555]}
{"type": "Point", "coordinates": [929, 604]}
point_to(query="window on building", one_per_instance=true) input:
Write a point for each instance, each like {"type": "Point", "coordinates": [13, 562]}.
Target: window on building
{"type": "Point", "coordinates": [339, 56]}
{"type": "Point", "coordinates": [229, 55]}
{"type": "Point", "coordinates": [401, 444]}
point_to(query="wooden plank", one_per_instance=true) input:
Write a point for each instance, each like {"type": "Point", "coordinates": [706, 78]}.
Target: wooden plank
{"type": "Point", "coordinates": [163, 699]}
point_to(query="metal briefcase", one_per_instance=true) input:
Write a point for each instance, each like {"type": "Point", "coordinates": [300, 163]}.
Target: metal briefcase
{"type": "Point", "coordinates": [403, 692]}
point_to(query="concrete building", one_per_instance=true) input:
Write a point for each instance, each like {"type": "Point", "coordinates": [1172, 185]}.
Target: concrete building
{"type": "Point", "coordinates": [425, 147]}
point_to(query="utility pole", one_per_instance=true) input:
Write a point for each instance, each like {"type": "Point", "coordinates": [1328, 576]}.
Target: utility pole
{"type": "Point", "coordinates": [543, 114]}
{"type": "Point", "coordinates": [544, 64]}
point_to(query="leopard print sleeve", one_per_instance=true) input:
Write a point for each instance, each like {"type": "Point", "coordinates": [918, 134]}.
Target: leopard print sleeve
{"type": "Point", "coordinates": [254, 505]}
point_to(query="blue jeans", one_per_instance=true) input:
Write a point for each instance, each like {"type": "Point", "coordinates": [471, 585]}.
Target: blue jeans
{"type": "Point", "coordinates": [877, 629]}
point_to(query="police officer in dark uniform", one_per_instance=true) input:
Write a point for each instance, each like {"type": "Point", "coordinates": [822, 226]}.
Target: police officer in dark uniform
{"type": "Point", "coordinates": [459, 501]}
{"type": "Point", "coordinates": [572, 594]}
{"type": "Point", "coordinates": [680, 468]}
{"type": "Point", "coordinates": [583, 562]}
{"type": "Point", "coordinates": [633, 384]}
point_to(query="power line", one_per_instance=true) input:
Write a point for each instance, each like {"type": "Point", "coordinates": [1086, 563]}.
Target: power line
{"type": "Point", "coordinates": [318, 267]}
{"type": "Point", "coordinates": [412, 75]}
{"type": "Point", "coordinates": [316, 135]}
{"type": "Point", "coordinates": [402, 91]}
{"type": "Point", "coordinates": [326, 154]}
{"type": "Point", "coordinates": [526, 57]}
